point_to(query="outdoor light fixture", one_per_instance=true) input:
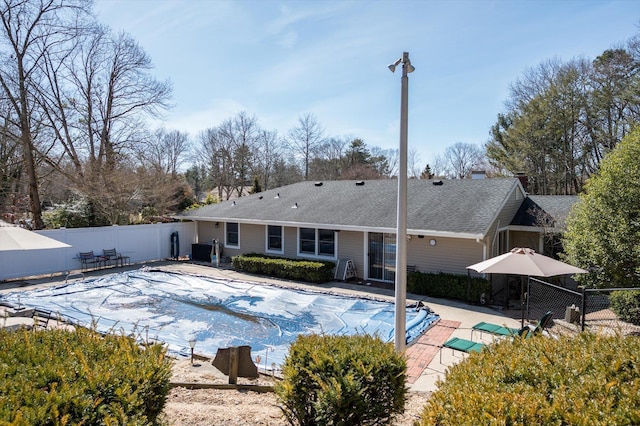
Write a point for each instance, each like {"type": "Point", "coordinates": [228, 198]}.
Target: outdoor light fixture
{"type": "Point", "coordinates": [192, 344]}
{"type": "Point", "coordinates": [400, 335]}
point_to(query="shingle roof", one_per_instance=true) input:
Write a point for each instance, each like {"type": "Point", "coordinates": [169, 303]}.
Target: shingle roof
{"type": "Point", "coordinates": [457, 206]}
{"type": "Point", "coordinates": [555, 208]}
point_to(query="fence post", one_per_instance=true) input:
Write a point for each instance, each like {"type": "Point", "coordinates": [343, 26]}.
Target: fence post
{"type": "Point", "coordinates": [583, 304]}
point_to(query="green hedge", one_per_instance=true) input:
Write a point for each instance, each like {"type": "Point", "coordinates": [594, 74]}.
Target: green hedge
{"type": "Point", "coordinates": [585, 380]}
{"type": "Point", "coordinates": [342, 380]}
{"type": "Point", "coordinates": [449, 286]}
{"type": "Point", "coordinates": [58, 377]}
{"type": "Point", "coordinates": [315, 271]}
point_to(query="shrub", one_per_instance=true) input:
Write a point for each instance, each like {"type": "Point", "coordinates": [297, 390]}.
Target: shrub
{"type": "Point", "coordinates": [342, 380]}
{"type": "Point", "coordinates": [626, 305]}
{"type": "Point", "coordinates": [585, 380]}
{"type": "Point", "coordinates": [448, 286]}
{"type": "Point", "coordinates": [306, 270]}
{"type": "Point", "coordinates": [60, 377]}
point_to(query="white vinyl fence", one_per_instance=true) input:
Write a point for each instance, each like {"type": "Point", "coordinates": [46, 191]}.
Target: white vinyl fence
{"type": "Point", "coordinates": [140, 242]}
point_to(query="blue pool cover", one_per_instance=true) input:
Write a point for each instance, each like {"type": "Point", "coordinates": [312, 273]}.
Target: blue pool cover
{"type": "Point", "coordinates": [175, 308]}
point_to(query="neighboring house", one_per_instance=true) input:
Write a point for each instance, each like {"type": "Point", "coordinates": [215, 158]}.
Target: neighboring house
{"type": "Point", "coordinates": [451, 224]}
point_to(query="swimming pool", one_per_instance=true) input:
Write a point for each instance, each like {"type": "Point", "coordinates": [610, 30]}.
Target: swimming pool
{"type": "Point", "coordinates": [175, 308]}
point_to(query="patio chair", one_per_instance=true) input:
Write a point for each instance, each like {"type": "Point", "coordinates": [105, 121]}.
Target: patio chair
{"type": "Point", "coordinates": [111, 255]}
{"type": "Point", "coordinates": [462, 345]}
{"type": "Point", "coordinates": [88, 259]}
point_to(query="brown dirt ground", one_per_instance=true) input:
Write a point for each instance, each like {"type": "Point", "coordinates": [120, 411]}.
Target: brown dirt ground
{"type": "Point", "coordinates": [200, 407]}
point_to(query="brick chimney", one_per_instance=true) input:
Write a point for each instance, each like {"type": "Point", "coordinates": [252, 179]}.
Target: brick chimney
{"type": "Point", "coordinates": [524, 180]}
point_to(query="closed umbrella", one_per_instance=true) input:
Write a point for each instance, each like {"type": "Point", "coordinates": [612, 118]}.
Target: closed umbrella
{"type": "Point", "coordinates": [14, 238]}
{"type": "Point", "coordinates": [525, 261]}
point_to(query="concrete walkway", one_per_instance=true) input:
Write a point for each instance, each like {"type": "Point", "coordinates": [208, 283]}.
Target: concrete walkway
{"type": "Point", "coordinates": [423, 356]}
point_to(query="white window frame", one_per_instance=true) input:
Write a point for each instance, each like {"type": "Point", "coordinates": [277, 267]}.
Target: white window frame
{"type": "Point", "coordinates": [226, 233]}
{"type": "Point", "coordinates": [316, 254]}
{"type": "Point", "coordinates": [266, 238]}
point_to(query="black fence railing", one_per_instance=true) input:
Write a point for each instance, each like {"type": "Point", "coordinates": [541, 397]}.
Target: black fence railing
{"type": "Point", "coordinates": [581, 309]}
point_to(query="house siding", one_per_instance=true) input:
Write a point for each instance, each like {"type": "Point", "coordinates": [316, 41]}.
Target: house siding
{"type": "Point", "coordinates": [207, 232]}
{"type": "Point", "coordinates": [290, 242]}
{"type": "Point", "coordinates": [503, 219]}
{"type": "Point", "coordinates": [526, 239]}
{"type": "Point", "coordinates": [252, 238]}
{"type": "Point", "coordinates": [351, 246]}
{"type": "Point", "coordinates": [450, 255]}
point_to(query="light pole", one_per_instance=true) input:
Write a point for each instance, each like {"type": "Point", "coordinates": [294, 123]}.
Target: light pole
{"type": "Point", "coordinates": [192, 344]}
{"type": "Point", "coordinates": [401, 240]}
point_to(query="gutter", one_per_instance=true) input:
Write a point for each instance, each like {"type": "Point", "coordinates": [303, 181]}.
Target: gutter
{"type": "Point", "coordinates": [415, 232]}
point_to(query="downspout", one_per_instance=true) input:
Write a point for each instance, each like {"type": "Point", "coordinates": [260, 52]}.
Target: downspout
{"type": "Point", "coordinates": [484, 247]}
{"type": "Point", "coordinates": [484, 257]}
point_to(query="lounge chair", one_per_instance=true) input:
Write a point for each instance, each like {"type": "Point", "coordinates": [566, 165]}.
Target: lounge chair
{"type": "Point", "coordinates": [543, 323]}
{"type": "Point", "coordinates": [495, 329]}
{"type": "Point", "coordinates": [503, 331]}
{"type": "Point", "coordinates": [462, 345]}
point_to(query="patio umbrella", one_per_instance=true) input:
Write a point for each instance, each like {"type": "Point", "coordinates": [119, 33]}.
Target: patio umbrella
{"type": "Point", "coordinates": [525, 261]}
{"type": "Point", "coordinates": [14, 238]}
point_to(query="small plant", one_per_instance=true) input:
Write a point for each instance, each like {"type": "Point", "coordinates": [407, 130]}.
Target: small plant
{"type": "Point", "coordinates": [626, 305]}
{"type": "Point", "coordinates": [342, 380]}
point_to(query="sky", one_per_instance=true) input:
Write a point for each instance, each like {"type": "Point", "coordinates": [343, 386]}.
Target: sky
{"type": "Point", "coordinates": [277, 60]}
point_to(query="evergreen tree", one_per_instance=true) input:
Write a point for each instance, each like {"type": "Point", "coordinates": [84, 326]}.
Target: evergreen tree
{"type": "Point", "coordinates": [603, 229]}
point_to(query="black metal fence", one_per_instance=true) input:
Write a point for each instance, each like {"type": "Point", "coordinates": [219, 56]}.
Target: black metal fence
{"type": "Point", "coordinates": [575, 309]}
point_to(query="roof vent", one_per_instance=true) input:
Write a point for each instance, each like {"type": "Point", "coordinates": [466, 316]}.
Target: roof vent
{"type": "Point", "coordinates": [260, 197]}
{"type": "Point", "coordinates": [277, 195]}
{"type": "Point", "coordinates": [359, 182]}
{"type": "Point", "coordinates": [318, 184]}
{"type": "Point", "coordinates": [233, 204]}
{"type": "Point", "coordinates": [438, 182]}
{"type": "Point", "coordinates": [295, 206]}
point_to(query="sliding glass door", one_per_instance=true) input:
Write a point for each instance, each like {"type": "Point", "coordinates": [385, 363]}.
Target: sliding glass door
{"type": "Point", "coordinates": [382, 256]}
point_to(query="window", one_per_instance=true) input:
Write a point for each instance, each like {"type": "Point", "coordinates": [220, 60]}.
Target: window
{"type": "Point", "coordinates": [307, 240]}
{"type": "Point", "coordinates": [274, 238]}
{"type": "Point", "coordinates": [233, 234]}
{"type": "Point", "coordinates": [317, 242]}
{"type": "Point", "coordinates": [327, 243]}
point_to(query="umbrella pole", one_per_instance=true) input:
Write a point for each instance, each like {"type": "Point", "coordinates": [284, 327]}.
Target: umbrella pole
{"type": "Point", "coordinates": [522, 300]}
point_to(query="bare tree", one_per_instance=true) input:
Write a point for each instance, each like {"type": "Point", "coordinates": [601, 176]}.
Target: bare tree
{"type": "Point", "coordinates": [438, 167]}
{"type": "Point", "coordinates": [461, 158]}
{"type": "Point", "coordinates": [328, 163]}
{"type": "Point", "coordinates": [96, 106]}
{"type": "Point", "coordinates": [391, 162]}
{"type": "Point", "coordinates": [31, 29]}
{"type": "Point", "coordinates": [413, 164]}
{"type": "Point", "coordinates": [166, 151]}
{"type": "Point", "coordinates": [268, 150]}
{"type": "Point", "coordinates": [216, 151]}
{"type": "Point", "coordinates": [305, 139]}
